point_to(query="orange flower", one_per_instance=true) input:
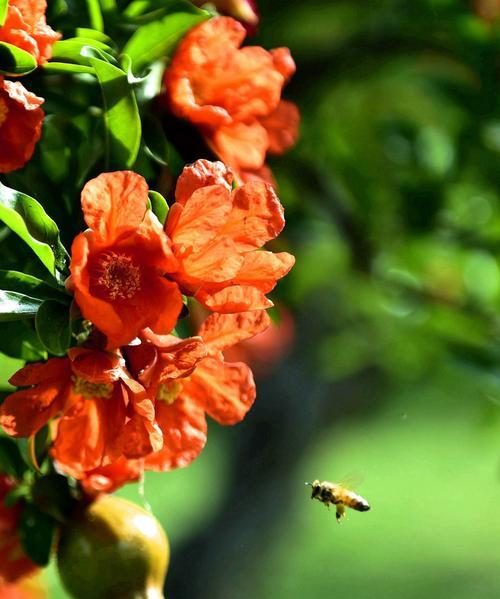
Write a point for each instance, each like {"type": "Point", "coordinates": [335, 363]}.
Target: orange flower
{"type": "Point", "coordinates": [215, 232]}
{"type": "Point", "coordinates": [187, 384]}
{"type": "Point", "coordinates": [14, 564]}
{"type": "Point", "coordinates": [233, 94]}
{"type": "Point", "coordinates": [26, 28]}
{"type": "Point", "coordinates": [20, 124]}
{"type": "Point", "coordinates": [118, 264]}
{"type": "Point", "coordinates": [101, 412]}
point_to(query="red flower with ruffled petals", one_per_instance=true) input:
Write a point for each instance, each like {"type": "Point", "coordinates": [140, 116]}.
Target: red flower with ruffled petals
{"type": "Point", "coordinates": [14, 564]}
{"type": "Point", "coordinates": [233, 94]}
{"type": "Point", "coordinates": [26, 28]}
{"type": "Point", "coordinates": [189, 379]}
{"type": "Point", "coordinates": [117, 265]}
{"type": "Point", "coordinates": [101, 413]}
{"type": "Point", "coordinates": [215, 232]}
{"type": "Point", "coordinates": [20, 124]}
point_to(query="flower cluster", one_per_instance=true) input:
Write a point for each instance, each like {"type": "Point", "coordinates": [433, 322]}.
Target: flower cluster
{"type": "Point", "coordinates": [139, 332]}
{"type": "Point", "coordinates": [20, 113]}
{"type": "Point", "coordinates": [138, 397]}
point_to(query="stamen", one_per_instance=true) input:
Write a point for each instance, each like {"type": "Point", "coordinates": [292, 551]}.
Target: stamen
{"type": "Point", "coordinates": [119, 276]}
{"type": "Point", "coordinates": [4, 111]}
{"type": "Point", "coordinates": [168, 392]}
{"type": "Point", "coordinates": [90, 390]}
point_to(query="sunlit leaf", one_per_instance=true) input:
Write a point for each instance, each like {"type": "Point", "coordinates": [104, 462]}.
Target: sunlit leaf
{"type": "Point", "coordinates": [26, 217]}
{"type": "Point", "coordinates": [4, 4]}
{"type": "Point", "coordinates": [11, 280]}
{"type": "Point", "coordinates": [159, 205]}
{"type": "Point", "coordinates": [121, 115]}
{"type": "Point", "coordinates": [70, 50]}
{"type": "Point", "coordinates": [158, 39]}
{"type": "Point", "coordinates": [14, 61]}
{"type": "Point", "coordinates": [95, 15]}
{"type": "Point", "coordinates": [16, 306]}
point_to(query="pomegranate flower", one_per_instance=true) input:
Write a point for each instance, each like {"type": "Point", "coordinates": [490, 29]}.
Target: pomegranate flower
{"type": "Point", "coordinates": [233, 95]}
{"type": "Point", "coordinates": [215, 232]}
{"type": "Point", "coordinates": [101, 412]}
{"type": "Point", "coordinates": [14, 564]}
{"type": "Point", "coordinates": [26, 28]}
{"type": "Point", "coordinates": [117, 265]}
{"type": "Point", "coordinates": [20, 124]}
{"type": "Point", "coordinates": [189, 378]}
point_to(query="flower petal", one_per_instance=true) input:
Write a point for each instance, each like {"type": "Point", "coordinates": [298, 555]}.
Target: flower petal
{"type": "Point", "coordinates": [236, 298]}
{"type": "Point", "coordinates": [114, 202]}
{"type": "Point", "coordinates": [225, 391]}
{"type": "Point", "coordinates": [201, 216]}
{"type": "Point", "coordinates": [202, 173]}
{"type": "Point", "coordinates": [264, 269]}
{"type": "Point", "coordinates": [88, 434]}
{"type": "Point", "coordinates": [184, 431]}
{"type": "Point", "coordinates": [282, 127]}
{"type": "Point", "coordinates": [240, 145]}
{"type": "Point", "coordinates": [108, 479]}
{"type": "Point", "coordinates": [22, 127]}
{"type": "Point", "coordinates": [257, 216]}
{"type": "Point", "coordinates": [96, 366]}
{"type": "Point", "coordinates": [220, 331]}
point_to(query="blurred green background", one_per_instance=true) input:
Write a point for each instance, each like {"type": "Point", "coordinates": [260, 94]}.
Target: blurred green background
{"type": "Point", "coordinates": [392, 200]}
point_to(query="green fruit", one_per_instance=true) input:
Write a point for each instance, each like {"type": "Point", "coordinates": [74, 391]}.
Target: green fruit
{"type": "Point", "coordinates": [113, 549]}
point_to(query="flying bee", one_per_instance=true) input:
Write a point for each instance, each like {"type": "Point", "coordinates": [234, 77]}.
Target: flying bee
{"type": "Point", "coordinates": [339, 496]}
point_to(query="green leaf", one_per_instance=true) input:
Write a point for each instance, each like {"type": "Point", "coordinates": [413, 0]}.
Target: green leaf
{"type": "Point", "coordinates": [11, 280]}
{"type": "Point", "coordinates": [4, 4]}
{"type": "Point", "coordinates": [158, 146]}
{"type": "Point", "coordinates": [147, 10]}
{"type": "Point", "coordinates": [95, 15]}
{"type": "Point", "coordinates": [16, 306]}
{"type": "Point", "coordinates": [121, 115]}
{"type": "Point", "coordinates": [92, 34]}
{"type": "Point", "coordinates": [11, 460]}
{"type": "Point", "coordinates": [19, 340]}
{"type": "Point", "coordinates": [159, 205]}
{"type": "Point", "coordinates": [14, 61]}
{"type": "Point", "coordinates": [36, 533]}
{"type": "Point", "coordinates": [67, 67]}
{"type": "Point", "coordinates": [158, 39]}
{"type": "Point", "coordinates": [70, 50]}
{"type": "Point", "coordinates": [26, 217]}
{"type": "Point", "coordinates": [52, 324]}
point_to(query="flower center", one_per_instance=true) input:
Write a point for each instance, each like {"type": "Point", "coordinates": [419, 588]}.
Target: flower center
{"type": "Point", "coordinates": [90, 390]}
{"type": "Point", "coordinates": [168, 392]}
{"type": "Point", "coordinates": [119, 275]}
{"type": "Point", "coordinates": [4, 111]}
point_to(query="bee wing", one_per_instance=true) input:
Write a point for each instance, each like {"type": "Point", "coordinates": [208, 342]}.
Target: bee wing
{"type": "Point", "coordinates": [352, 480]}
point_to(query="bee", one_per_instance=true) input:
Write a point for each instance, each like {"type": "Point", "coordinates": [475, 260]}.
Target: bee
{"type": "Point", "coordinates": [339, 496]}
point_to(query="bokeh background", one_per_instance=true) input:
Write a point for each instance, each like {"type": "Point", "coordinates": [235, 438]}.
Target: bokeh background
{"type": "Point", "coordinates": [384, 364]}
